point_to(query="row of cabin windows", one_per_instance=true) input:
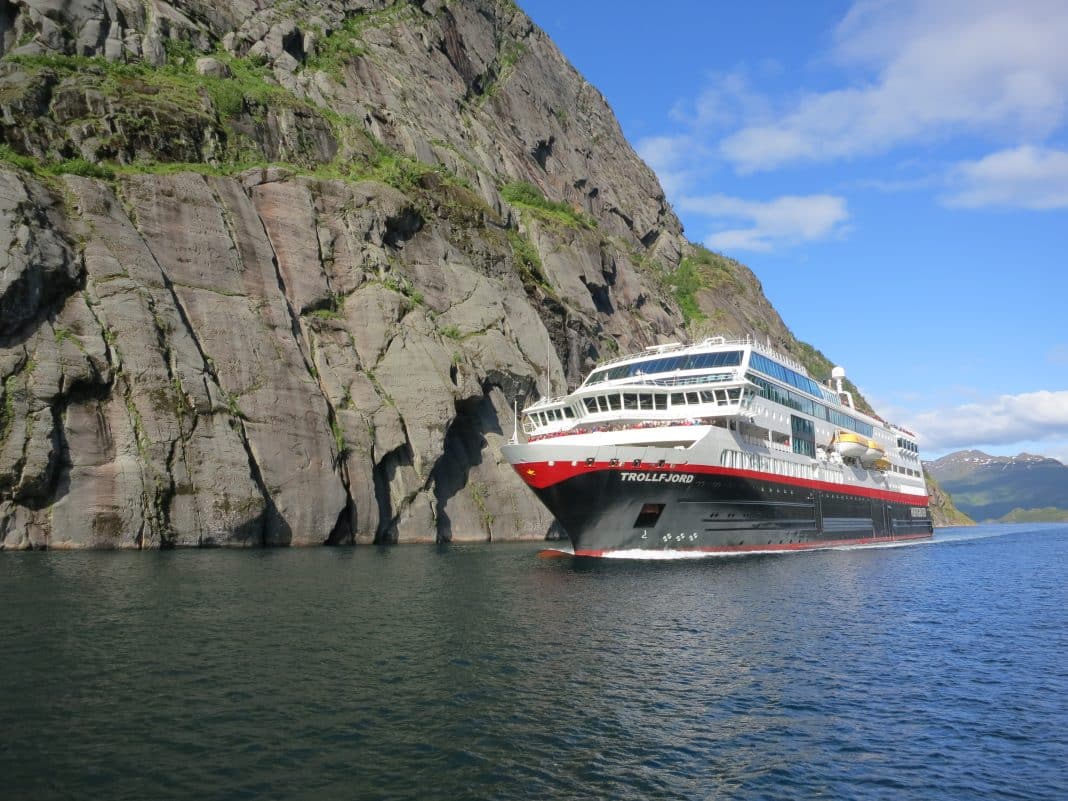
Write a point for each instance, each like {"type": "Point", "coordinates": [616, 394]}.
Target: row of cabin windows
{"type": "Point", "coordinates": [909, 446]}
{"type": "Point", "coordinates": [667, 364]}
{"type": "Point", "coordinates": [794, 400]}
{"type": "Point", "coordinates": [642, 401]}
{"type": "Point", "coordinates": [553, 415]}
{"type": "Point", "coordinates": [787, 376]}
{"type": "Point", "coordinates": [906, 471]}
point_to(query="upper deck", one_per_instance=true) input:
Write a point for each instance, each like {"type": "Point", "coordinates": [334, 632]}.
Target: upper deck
{"type": "Point", "coordinates": [674, 395]}
{"type": "Point", "coordinates": [716, 378]}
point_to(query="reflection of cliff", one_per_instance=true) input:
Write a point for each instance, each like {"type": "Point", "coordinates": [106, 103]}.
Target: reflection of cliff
{"type": "Point", "coordinates": [943, 512]}
{"type": "Point", "coordinates": [262, 283]}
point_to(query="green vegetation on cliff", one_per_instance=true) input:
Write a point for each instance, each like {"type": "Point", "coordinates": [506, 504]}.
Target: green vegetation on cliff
{"type": "Point", "coordinates": [701, 270]}
{"type": "Point", "coordinates": [529, 197]}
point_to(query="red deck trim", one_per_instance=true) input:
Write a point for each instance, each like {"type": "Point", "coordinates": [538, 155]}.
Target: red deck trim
{"type": "Point", "coordinates": [792, 546]}
{"type": "Point", "coordinates": [540, 475]}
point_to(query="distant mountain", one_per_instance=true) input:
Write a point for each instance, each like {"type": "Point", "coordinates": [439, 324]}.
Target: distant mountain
{"type": "Point", "coordinates": [943, 511]}
{"type": "Point", "coordinates": [1047, 515]}
{"type": "Point", "coordinates": [987, 487]}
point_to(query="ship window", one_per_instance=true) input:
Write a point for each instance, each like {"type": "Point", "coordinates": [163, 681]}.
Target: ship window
{"type": "Point", "coordinates": [613, 401]}
{"type": "Point", "coordinates": [708, 396]}
{"type": "Point", "coordinates": [569, 413]}
{"type": "Point", "coordinates": [591, 405]}
{"type": "Point", "coordinates": [646, 401]}
{"type": "Point", "coordinates": [649, 514]}
{"type": "Point", "coordinates": [721, 397]}
{"type": "Point", "coordinates": [602, 403]}
{"type": "Point", "coordinates": [692, 397]}
{"type": "Point", "coordinates": [677, 399]}
{"type": "Point", "coordinates": [660, 402]}
{"type": "Point", "coordinates": [734, 394]}
{"type": "Point", "coordinates": [630, 400]}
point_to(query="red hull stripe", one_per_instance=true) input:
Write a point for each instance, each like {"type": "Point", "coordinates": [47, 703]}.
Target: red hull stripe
{"type": "Point", "coordinates": [540, 475]}
{"type": "Point", "coordinates": [793, 546]}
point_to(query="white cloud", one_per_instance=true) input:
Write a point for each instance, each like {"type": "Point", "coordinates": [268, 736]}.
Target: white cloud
{"type": "Point", "coordinates": [765, 225]}
{"type": "Point", "coordinates": [1032, 416]}
{"type": "Point", "coordinates": [727, 100]}
{"type": "Point", "coordinates": [669, 156]}
{"type": "Point", "coordinates": [936, 70]}
{"type": "Point", "coordinates": [1024, 177]}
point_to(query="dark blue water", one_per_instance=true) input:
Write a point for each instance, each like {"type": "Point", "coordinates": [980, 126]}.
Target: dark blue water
{"type": "Point", "coordinates": [931, 671]}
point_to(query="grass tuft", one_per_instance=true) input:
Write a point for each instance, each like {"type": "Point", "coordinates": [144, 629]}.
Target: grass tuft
{"type": "Point", "coordinates": [528, 196]}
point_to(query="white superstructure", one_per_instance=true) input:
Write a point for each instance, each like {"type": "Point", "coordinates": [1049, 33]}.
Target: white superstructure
{"type": "Point", "coordinates": [736, 403]}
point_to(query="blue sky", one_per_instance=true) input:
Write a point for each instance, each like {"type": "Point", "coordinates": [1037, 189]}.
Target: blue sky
{"type": "Point", "coordinates": [895, 173]}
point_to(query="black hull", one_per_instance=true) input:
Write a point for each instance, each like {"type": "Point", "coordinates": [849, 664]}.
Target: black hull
{"type": "Point", "coordinates": [611, 510]}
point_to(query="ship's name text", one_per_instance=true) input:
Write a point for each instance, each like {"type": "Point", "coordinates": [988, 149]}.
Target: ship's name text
{"type": "Point", "coordinates": [668, 478]}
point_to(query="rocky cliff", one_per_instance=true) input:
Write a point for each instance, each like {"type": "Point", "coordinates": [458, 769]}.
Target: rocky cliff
{"type": "Point", "coordinates": [275, 272]}
{"type": "Point", "coordinates": [943, 511]}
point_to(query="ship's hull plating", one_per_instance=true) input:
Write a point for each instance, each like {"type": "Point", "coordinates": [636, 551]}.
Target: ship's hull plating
{"type": "Point", "coordinates": [607, 509]}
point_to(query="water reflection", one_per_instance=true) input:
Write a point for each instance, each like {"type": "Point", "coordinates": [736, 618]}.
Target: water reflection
{"type": "Point", "coordinates": [482, 671]}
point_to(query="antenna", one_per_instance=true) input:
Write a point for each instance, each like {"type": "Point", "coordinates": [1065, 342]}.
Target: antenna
{"type": "Point", "coordinates": [838, 373]}
{"type": "Point", "coordinates": [515, 421]}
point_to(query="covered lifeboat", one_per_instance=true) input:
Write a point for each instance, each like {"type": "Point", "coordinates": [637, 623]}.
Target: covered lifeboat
{"type": "Point", "coordinates": [850, 445]}
{"type": "Point", "coordinates": [873, 454]}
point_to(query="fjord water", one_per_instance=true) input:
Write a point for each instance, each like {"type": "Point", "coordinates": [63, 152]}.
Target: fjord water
{"type": "Point", "coordinates": [935, 671]}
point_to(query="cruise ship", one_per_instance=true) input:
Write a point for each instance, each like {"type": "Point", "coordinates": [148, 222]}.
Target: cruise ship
{"type": "Point", "coordinates": [717, 447]}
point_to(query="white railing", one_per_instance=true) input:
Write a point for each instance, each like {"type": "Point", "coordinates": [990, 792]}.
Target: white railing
{"type": "Point", "coordinates": [761, 463]}
{"type": "Point", "coordinates": [542, 403]}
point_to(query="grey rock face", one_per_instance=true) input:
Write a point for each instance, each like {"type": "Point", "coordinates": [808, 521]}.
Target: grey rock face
{"type": "Point", "coordinates": [262, 363]}
{"type": "Point", "coordinates": [36, 266]}
{"type": "Point", "coordinates": [212, 67]}
{"type": "Point", "coordinates": [325, 350]}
